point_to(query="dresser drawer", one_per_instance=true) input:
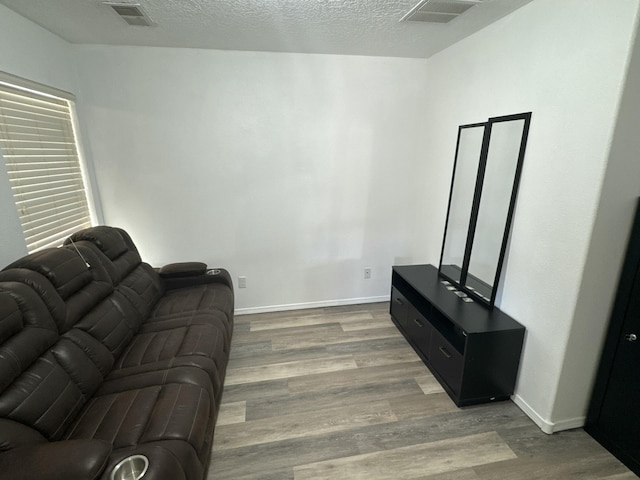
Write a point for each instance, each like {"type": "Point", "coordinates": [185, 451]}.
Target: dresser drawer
{"type": "Point", "coordinates": [418, 329]}
{"type": "Point", "coordinates": [447, 361]}
{"type": "Point", "coordinates": [399, 307]}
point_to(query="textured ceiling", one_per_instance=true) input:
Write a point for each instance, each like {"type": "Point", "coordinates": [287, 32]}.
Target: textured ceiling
{"type": "Point", "coordinates": [347, 27]}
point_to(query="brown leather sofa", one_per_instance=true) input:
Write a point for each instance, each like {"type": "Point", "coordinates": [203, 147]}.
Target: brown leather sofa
{"type": "Point", "coordinates": [103, 358]}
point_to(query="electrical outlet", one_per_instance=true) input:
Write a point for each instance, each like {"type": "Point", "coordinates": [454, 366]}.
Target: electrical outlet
{"type": "Point", "coordinates": [242, 282]}
{"type": "Point", "coordinates": [367, 273]}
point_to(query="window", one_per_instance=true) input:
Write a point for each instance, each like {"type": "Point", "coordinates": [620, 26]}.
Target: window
{"type": "Point", "coordinates": [39, 147]}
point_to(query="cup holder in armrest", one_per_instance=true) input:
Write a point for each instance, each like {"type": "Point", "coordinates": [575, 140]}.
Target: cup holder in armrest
{"type": "Point", "coordinates": [131, 468]}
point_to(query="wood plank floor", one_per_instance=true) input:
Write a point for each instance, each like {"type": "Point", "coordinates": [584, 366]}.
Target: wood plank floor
{"type": "Point", "coordinates": [337, 393]}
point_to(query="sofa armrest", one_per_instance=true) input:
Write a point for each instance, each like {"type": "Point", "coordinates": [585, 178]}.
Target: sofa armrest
{"type": "Point", "coordinates": [212, 275]}
{"type": "Point", "coordinates": [183, 269]}
{"type": "Point", "coordinates": [71, 460]}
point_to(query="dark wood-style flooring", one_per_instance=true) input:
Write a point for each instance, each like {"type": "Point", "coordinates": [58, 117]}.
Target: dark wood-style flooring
{"type": "Point", "coordinates": [337, 393]}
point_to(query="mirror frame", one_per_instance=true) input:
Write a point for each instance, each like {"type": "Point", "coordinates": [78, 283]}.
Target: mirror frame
{"type": "Point", "coordinates": [465, 277]}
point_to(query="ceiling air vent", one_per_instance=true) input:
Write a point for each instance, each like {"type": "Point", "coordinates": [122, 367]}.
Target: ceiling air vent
{"type": "Point", "coordinates": [131, 13]}
{"type": "Point", "coordinates": [438, 11]}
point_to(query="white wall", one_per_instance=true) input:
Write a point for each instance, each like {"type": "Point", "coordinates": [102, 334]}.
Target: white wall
{"type": "Point", "coordinates": [598, 286]}
{"type": "Point", "coordinates": [565, 62]}
{"type": "Point", "coordinates": [28, 51]}
{"type": "Point", "coordinates": [295, 171]}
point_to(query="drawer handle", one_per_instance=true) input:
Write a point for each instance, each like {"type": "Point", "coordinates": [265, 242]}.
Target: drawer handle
{"type": "Point", "coordinates": [444, 352]}
{"type": "Point", "coordinates": [418, 322]}
{"type": "Point", "coordinates": [399, 302]}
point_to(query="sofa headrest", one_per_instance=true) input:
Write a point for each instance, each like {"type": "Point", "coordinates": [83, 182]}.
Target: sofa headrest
{"type": "Point", "coordinates": [65, 269]}
{"type": "Point", "coordinates": [45, 290]}
{"type": "Point", "coordinates": [108, 239]}
{"type": "Point", "coordinates": [70, 280]}
{"type": "Point", "coordinates": [112, 243]}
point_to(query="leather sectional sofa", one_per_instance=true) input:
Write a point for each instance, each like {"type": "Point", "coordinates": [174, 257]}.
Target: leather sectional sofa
{"type": "Point", "coordinates": [103, 358]}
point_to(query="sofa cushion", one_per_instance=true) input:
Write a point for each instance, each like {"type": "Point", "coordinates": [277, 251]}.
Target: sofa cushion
{"type": "Point", "coordinates": [197, 299]}
{"type": "Point", "coordinates": [51, 461]}
{"type": "Point", "coordinates": [149, 347]}
{"type": "Point", "coordinates": [113, 322]}
{"type": "Point", "coordinates": [44, 397]}
{"type": "Point", "coordinates": [203, 346]}
{"type": "Point", "coordinates": [177, 374]}
{"type": "Point", "coordinates": [143, 288]}
{"type": "Point", "coordinates": [215, 318]}
{"type": "Point", "coordinates": [146, 415]}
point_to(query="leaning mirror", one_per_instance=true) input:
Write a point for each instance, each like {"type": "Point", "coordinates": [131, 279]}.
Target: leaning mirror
{"type": "Point", "coordinates": [484, 185]}
{"type": "Point", "coordinates": [463, 184]}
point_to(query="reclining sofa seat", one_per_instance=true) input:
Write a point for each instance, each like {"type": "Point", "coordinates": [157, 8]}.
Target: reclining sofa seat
{"type": "Point", "coordinates": [140, 282]}
{"type": "Point", "coordinates": [205, 325]}
{"type": "Point", "coordinates": [84, 372]}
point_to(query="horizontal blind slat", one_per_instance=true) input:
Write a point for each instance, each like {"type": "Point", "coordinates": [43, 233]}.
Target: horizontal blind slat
{"type": "Point", "coordinates": [26, 202]}
{"type": "Point", "coordinates": [14, 124]}
{"type": "Point", "coordinates": [22, 99]}
{"type": "Point", "coordinates": [42, 230]}
{"type": "Point", "coordinates": [37, 161]}
{"type": "Point", "coordinates": [27, 192]}
{"type": "Point", "coordinates": [49, 209]}
{"type": "Point", "coordinates": [22, 133]}
{"type": "Point", "coordinates": [33, 121]}
{"type": "Point", "coordinates": [24, 109]}
{"type": "Point", "coordinates": [30, 173]}
{"type": "Point", "coordinates": [43, 217]}
{"type": "Point", "coordinates": [16, 90]}
{"type": "Point", "coordinates": [38, 141]}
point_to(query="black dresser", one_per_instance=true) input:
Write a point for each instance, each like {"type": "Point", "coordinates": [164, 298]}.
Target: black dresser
{"type": "Point", "coordinates": [473, 351]}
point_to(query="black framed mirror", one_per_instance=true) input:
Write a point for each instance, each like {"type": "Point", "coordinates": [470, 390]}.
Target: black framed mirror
{"type": "Point", "coordinates": [484, 185]}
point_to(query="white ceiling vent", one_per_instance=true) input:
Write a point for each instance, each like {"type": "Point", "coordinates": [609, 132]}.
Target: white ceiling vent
{"type": "Point", "coordinates": [131, 13]}
{"type": "Point", "coordinates": [438, 11]}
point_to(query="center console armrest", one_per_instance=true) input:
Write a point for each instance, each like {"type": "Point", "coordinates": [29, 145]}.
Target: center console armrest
{"type": "Point", "coordinates": [211, 275]}
{"type": "Point", "coordinates": [70, 459]}
{"type": "Point", "coordinates": [183, 269]}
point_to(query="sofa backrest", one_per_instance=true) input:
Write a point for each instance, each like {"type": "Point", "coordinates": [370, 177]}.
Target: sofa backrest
{"type": "Point", "coordinates": [115, 244]}
{"type": "Point", "coordinates": [66, 315]}
{"type": "Point", "coordinates": [135, 280]}
{"type": "Point", "coordinates": [66, 283]}
{"type": "Point", "coordinates": [45, 379]}
{"type": "Point", "coordinates": [74, 284]}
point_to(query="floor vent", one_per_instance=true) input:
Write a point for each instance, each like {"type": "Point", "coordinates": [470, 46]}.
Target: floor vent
{"type": "Point", "coordinates": [438, 11]}
{"type": "Point", "coordinates": [131, 13]}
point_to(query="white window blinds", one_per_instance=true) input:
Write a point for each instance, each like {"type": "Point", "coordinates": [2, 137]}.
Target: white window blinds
{"type": "Point", "coordinates": [39, 148]}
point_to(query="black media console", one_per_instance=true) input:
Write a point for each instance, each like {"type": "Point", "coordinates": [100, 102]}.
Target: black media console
{"type": "Point", "coordinates": [473, 351]}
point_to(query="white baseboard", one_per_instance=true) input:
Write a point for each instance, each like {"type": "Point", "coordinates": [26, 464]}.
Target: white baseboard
{"type": "Point", "coordinates": [545, 425]}
{"type": "Point", "coordinates": [302, 306]}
